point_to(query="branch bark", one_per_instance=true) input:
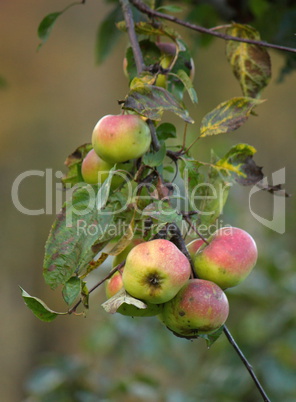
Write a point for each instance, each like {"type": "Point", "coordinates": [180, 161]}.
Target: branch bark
{"type": "Point", "coordinates": [153, 13]}
{"type": "Point", "coordinates": [130, 25]}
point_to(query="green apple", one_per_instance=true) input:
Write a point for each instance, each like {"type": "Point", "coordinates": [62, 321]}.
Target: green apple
{"type": "Point", "coordinates": [200, 307]}
{"type": "Point", "coordinates": [155, 271]}
{"type": "Point", "coordinates": [228, 258]}
{"type": "Point", "coordinates": [119, 138]}
{"type": "Point", "coordinates": [114, 284]}
{"type": "Point", "coordinates": [168, 52]}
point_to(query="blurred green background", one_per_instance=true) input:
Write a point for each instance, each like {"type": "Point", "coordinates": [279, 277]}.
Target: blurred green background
{"type": "Point", "coordinates": [49, 105]}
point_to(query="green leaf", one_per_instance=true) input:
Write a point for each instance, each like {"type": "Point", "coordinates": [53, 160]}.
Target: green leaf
{"type": "Point", "coordinates": [113, 304]}
{"type": "Point", "coordinates": [39, 308]}
{"type": "Point", "coordinates": [107, 35]}
{"type": "Point", "coordinates": [227, 116]}
{"type": "Point", "coordinates": [104, 191]}
{"type": "Point", "coordinates": [206, 191]}
{"type": "Point", "coordinates": [250, 63]}
{"type": "Point", "coordinates": [239, 162]}
{"type": "Point", "coordinates": [46, 25]}
{"type": "Point", "coordinates": [165, 131]}
{"type": "Point", "coordinates": [72, 241]}
{"type": "Point", "coordinates": [73, 162]}
{"type": "Point", "coordinates": [162, 212]}
{"type": "Point", "coordinates": [211, 338]}
{"type": "Point", "coordinates": [184, 63]}
{"type": "Point", "coordinates": [170, 9]}
{"type": "Point", "coordinates": [191, 174]}
{"type": "Point", "coordinates": [151, 55]}
{"type": "Point", "coordinates": [71, 290]}
{"type": "Point", "coordinates": [186, 81]}
{"type": "Point", "coordinates": [211, 197]}
{"type": "Point", "coordinates": [151, 101]}
{"type": "Point", "coordinates": [154, 159]}
{"type": "Point", "coordinates": [146, 28]}
{"type": "Point", "coordinates": [145, 78]}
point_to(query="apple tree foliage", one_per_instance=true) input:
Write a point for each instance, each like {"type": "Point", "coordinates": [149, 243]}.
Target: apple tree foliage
{"type": "Point", "coordinates": [71, 255]}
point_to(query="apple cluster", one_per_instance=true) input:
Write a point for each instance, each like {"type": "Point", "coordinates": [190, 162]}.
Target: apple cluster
{"type": "Point", "coordinates": [116, 139]}
{"type": "Point", "coordinates": [189, 299]}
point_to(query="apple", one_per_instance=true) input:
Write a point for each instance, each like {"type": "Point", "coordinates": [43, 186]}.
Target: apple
{"type": "Point", "coordinates": [228, 258]}
{"type": "Point", "coordinates": [167, 54]}
{"type": "Point", "coordinates": [194, 246]}
{"type": "Point", "coordinates": [168, 51]}
{"type": "Point", "coordinates": [200, 307]}
{"type": "Point", "coordinates": [119, 138]}
{"type": "Point", "coordinates": [95, 170]}
{"type": "Point", "coordinates": [155, 271]}
{"type": "Point", "coordinates": [114, 284]}
{"type": "Point", "coordinates": [91, 167]}
{"type": "Point", "coordinates": [119, 258]}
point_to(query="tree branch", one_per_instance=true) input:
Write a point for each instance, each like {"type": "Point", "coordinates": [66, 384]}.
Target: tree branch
{"type": "Point", "coordinates": [154, 139]}
{"type": "Point", "coordinates": [246, 363]}
{"type": "Point", "coordinates": [130, 25]}
{"type": "Point", "coordinates": [153, 13]}
{"type": "Point", "coordinates": [117, 268]}
{"type": "Point", "coordinates": [188, 220]}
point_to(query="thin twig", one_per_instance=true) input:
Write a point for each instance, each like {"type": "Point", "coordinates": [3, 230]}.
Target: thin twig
{"type": "Point", "coordinates": [188, 220]}
{"type": "Point", "coordinates": [153, 13]}
{"type": "Point", "coordinates": [118, 267]}
{"type": "Point", "coordinates": [130, 25]}
{"type": "Point", "coordinates": [246, 363]}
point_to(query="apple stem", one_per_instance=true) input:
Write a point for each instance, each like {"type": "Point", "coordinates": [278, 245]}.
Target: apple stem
{"type": "Point", "coordinates": [246, 363]}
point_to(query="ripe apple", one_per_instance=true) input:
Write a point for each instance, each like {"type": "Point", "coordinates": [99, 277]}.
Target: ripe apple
{"type": "Point", "coordinates": [155, 271]}
{"type": "Point", "coordinates": [200, 307]}
{"type": "Point", "coordinates": [194, 246]}
{"type": "Point", "coordinates": [91, 167]}
{"type": "Point", "coordinates": [95, 170]}
{"type": "Point", "coordinates": [228, 258]}
{"type": "Point", "coordinates": [114, 285]}
{"type": "Point", "coordinates": [119, 138]}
